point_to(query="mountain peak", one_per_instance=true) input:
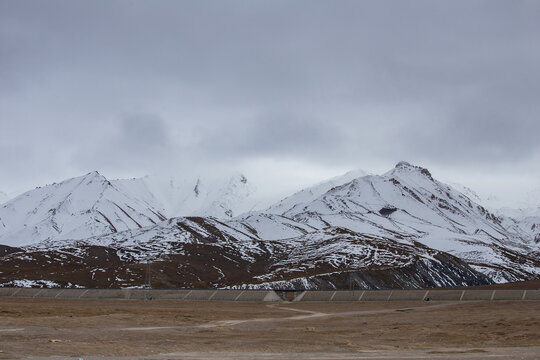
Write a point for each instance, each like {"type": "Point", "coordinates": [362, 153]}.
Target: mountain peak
{"type": "Point", "coordinates": [404, 165]}
{"type": "Point", "coordinates": [353, 174]}
{"type": "Point", "coordinates": [94, 173]}
{"type": "Point", "coordinates": [237, 177]}
{"type": "Point", "coordinates": [77, 208]}
{"type": "Point", "coordinates": [95, 176]}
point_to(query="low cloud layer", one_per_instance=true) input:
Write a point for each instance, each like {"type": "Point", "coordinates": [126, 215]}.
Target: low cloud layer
{"type": "Point", "coordinates": [132, 87]}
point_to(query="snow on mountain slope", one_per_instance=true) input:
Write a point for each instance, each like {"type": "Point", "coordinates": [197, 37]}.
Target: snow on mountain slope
{"type": "Point", "coordinates": [407, 204]}
{"type": "Point", "coordinates": [267, 226]}
{"type": "Point", "coordinates": [470, 193]}
{"type": "Point", "coordinates": [523, 222]}
{"type": "Point", "coordinates": [305, 196]}
{"type": "Point", "coordinates": [415, 203]}
{"type": "Point", "coordinates": [221, 196]}
{"type": "Point", "coordinates": [76, 208]}
{"type": "Point", "coordinates": [91, 205]}
{"type": "Point", "coordinates": [206, 252]}
{"type": "Point", "coordinates": [523, 219]}
{"type": "Point", "coordinates": [139, 189]}
{"type": "Point", "coordinates": [159, 239]}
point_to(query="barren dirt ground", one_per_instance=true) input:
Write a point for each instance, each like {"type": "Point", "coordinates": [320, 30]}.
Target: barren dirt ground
{"type": "Point", "coordinates": [117, 329]}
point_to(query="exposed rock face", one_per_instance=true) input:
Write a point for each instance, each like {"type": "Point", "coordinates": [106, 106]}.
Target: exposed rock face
{"type": "Point", "coordinates": [5, 250]}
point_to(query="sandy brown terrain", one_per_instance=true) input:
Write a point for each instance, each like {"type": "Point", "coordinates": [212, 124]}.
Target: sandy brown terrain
{"type": "Point", "coordinates": [32, 328]}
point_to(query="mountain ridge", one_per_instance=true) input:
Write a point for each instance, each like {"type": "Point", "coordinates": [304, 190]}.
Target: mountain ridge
{"type": "Point", "coordinates": [349, 226]}
{"type": "Point", "coordinates": [74, 208]}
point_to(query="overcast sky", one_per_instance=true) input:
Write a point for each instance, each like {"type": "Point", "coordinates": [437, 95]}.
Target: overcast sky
{"type": "Point", "coordinates": [289, 92]}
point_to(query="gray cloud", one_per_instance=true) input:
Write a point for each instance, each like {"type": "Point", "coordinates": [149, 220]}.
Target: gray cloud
{"type": "Point", "coordinates": [133, 143]}
{"type": "Point", "coordinates": [350, 84]}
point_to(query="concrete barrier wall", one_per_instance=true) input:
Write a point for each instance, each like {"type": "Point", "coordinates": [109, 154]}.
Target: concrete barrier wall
{"type": "Point", "coordinates": [159, 294]}
{"type": "Point", "coordinates": [445, 295]}
{"type": "Point", "coordinates": [270, 295]}
{"type": "Point", "coordinates": [255, 295]}
{"type": "Point", "coordinates": [347, 295]}
{"type": "Point", "coordinates": [406, 295]}
{"type": "Point", "coordinates": [199, 295]}
{"type": "Point", "coordinates": [376, 295]}
{"type": "Point", "coordinates": [26, 292]}
{"type": "Point", "coordinates": [531, 295]}
{"type": "Point", "coordinates": [71, 293]}
{"type": "Point", "coordinates": [420, 295]}
{"type": "Point", "coordinates": [227, 295]}
{"type": "Point", "coordinates": [105, 294]}
{"type": "Point", "coordinates": [477, 295]}
{"type": "Point", "coordinates": [317, 295]}
{"type": "Point", "coordinates": [507, 294]}
{"type": "Point", "coordinates": [48, 293]}
{"type": "Point", "coordinates": [8, 291]}
{"type": "Point", "coordinates": [142, 294]}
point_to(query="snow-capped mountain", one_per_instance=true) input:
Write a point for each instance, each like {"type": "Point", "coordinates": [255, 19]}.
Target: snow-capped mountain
{"type": "Point", "coordinates": [408, 203]}
{"type": "Point", "coordinates": [91, 205]}
{"type": "Point", "coordinates": [77, 208]}
{"type": "Point", "coordinates": [399, 229]}
{"type": "Point", "coordinates": [222, 196]}
{"type": "Point", "coordinates": [309, 194]}
{"type": "Point", "coordinates": [523, 222]}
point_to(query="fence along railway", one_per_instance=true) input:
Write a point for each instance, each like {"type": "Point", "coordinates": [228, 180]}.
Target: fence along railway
{"type": "Point", "coordinates": [271, 295]}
